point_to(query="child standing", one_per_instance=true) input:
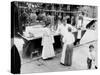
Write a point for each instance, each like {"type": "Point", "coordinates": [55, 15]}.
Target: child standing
{"type": "Point", "coordinates": [91, 60]}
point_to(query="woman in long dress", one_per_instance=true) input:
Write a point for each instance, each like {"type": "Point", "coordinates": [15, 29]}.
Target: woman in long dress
{"type": "Point", "coordinates": [67, 52]}
{"type": "Point", "coordinates": [47, 43]}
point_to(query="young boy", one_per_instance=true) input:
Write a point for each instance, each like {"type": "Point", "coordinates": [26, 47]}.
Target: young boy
{"type": "Point", "coordinates": [91, 60]}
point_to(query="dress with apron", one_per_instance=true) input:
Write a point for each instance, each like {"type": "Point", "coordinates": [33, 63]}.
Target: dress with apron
{"type": "Point", "coordinates": [47, 43]}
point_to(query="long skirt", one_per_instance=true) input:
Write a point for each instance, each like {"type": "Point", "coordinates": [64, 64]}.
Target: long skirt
{"type": "Point", "coordinates": [48, 51]}
{"type": "Point", "coordinates": [66, 58]}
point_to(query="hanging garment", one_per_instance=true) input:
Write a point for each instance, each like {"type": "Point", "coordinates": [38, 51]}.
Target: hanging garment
{"type": "Point", "coordinates": [15, 60]}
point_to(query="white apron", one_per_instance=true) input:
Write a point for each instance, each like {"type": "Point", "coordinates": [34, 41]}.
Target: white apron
{"type": "Point", "coordinates": [47, 42]}
{"type": "Point", "coordinates": [79, 34]}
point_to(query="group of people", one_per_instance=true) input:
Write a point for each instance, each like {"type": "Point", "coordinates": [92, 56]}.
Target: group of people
{"type": "Point", "coordinates": [44, 18]}
{"type": "Point", "coordinates": [67, 40]}
{"type": "Point", "coordinates": [36, 16]}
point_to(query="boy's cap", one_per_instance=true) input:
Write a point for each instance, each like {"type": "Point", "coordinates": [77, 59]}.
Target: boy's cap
{"type": "Point", "coordinates": [91, 46]}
